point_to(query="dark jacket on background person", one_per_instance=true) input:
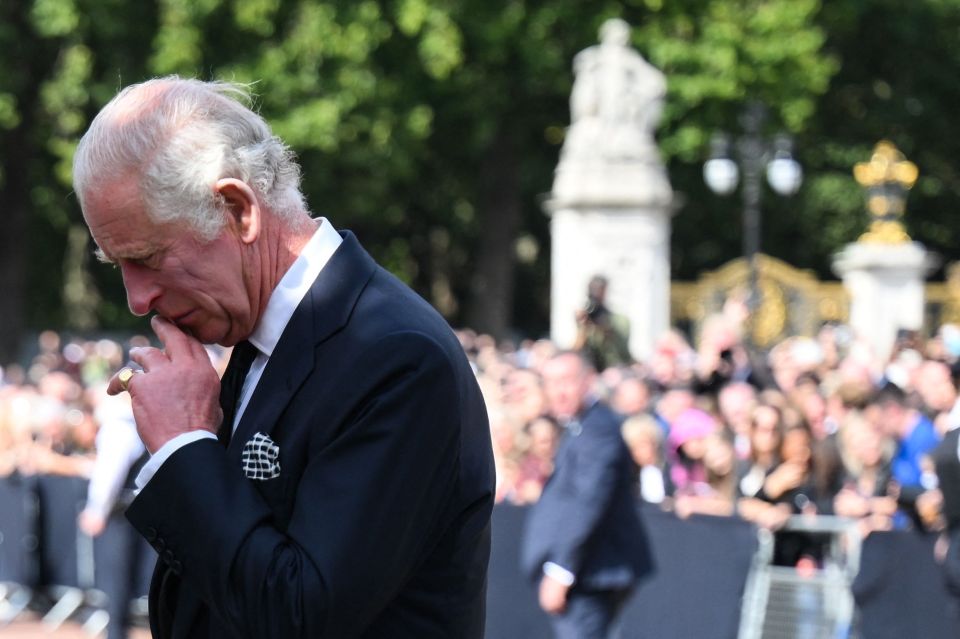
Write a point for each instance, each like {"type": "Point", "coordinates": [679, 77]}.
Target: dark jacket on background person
{"type": "Point", "coordinates": [586, 520]}
{"type": "Point", "coordinates": [946, 457]}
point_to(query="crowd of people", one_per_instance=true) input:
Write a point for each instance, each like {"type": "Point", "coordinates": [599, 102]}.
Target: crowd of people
{"type": "Point", "coordinates": [55, 412]}
{"type": "Point", "coordinates": [816, 426]}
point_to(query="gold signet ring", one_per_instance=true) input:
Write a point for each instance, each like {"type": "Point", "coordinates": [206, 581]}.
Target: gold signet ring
{"type": "Point", "coordinates": [124, 377]}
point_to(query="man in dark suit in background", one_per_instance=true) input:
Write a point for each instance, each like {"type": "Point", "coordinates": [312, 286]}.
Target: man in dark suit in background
{"type": "Point", "coordinates": [946, 456]}
{"type": "Point", "coordinates": [339, 482]}
{"type": "Point", "coordinates": [584, 543]}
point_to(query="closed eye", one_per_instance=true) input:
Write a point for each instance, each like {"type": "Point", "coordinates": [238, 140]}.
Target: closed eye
{"type": "Point", "coordinates": [151, 261]}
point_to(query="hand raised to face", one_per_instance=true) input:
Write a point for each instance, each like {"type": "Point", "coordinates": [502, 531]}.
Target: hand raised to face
{"type": "Point", "coordinates": [177, 392]}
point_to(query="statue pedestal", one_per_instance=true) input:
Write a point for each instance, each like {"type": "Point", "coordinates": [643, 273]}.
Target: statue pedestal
{"type": "Point", "coordinates": [603, 224]}
{"type": "Point", "coordinates": [885, 283]}
{"type": "Point", "coordinates": [611, 200]}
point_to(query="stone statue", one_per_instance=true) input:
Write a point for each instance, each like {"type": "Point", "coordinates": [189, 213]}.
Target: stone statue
{"type": "Point", "coordinates": [611, 201]}
{"type": "Point", "coordinates": [616, 102]}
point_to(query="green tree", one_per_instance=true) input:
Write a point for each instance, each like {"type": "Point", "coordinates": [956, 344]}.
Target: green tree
{"type": "Point", "coordinates": [432, 128]}
{"type": "Point", "coordinates": [896, 83]}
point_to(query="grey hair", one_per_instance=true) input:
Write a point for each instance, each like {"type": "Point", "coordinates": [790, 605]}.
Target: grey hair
{"type": "Point", "coordinates": [179, 137]}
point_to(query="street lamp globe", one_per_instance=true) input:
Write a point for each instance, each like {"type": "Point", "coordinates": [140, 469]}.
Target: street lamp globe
{"type": "Point", "coordinates": [720, 172]}
{"type": "Point", "coordinates": [721, 175]}
{"type": "Point", "coordinates": [784, 173]}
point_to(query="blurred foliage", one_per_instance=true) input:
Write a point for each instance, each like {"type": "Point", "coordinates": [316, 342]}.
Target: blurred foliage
{"type": "Point", "coordinates": [432, 127]}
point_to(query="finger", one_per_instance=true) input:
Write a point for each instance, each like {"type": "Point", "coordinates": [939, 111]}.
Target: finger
{"type": "Point", "coordinates": [115, 387]}
{"type": "Point", "coordinates": [175, 342]}
{"type": "Point", "coordinates": [148, 357]}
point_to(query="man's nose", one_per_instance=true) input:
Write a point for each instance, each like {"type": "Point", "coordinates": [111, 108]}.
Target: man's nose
{"type": "Point", "coordinates": [142, 289]}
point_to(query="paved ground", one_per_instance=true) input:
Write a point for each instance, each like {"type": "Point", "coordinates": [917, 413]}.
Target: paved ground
{"type": "Point", "coordinates": [31, 628]}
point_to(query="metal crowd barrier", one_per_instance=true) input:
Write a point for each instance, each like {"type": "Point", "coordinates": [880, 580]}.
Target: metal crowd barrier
{"type": "Point", "coordinates": [47, 564]}
{"type": "Point", "coordinates": [19, 544]}
{"type": "Point", "coordinates": [784, 602]}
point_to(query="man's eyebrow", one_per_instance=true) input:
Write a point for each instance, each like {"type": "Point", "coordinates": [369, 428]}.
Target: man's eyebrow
{"type": "Point", "coordinates": [101, 256]}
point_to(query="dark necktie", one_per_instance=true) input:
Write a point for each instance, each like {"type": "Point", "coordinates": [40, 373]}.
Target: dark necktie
{"type": "Point", "coordinates": [232, 384]}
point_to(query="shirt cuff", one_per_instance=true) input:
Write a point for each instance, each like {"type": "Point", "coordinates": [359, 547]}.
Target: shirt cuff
{"type": "Point", "coordinates": [156, 460]}
{"type": "Point", "coordinates": [559, 573]}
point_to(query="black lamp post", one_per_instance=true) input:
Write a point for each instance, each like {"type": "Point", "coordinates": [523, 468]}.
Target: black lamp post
{"type": "Point", "coordinates": [755, 154]}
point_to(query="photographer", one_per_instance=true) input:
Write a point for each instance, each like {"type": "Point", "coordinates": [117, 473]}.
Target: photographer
{"type": "Point", "coordinates": [602, 335]}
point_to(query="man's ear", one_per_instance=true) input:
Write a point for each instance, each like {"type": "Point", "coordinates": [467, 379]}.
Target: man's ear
{"type": "Point", "coordinates": [242, 205]}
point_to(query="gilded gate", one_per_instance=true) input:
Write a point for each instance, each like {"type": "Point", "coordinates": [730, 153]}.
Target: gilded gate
{"type": "Point", "coordinates": [791, 301]}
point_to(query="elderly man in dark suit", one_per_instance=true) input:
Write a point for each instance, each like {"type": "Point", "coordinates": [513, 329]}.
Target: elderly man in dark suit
{"type": "Point", "coordinates": [339, 482]}
{"type": "Point", "coordinates": [584, 543]}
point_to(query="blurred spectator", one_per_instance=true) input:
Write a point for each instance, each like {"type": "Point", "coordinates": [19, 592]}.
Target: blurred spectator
{"type": "Point", "coordinates": [915, 438]}
{"type": "Point", "coordinates": [62, 440]}
{"type": "Point", "coordinates": [766, 436]}
{"type": "Point", "coordinates": [866, 483]}
{"type": "Point", "coordinates": [717, 495]}
{"type": "Point", "coordinates": [644, 439]}
{"type": "Point", "coordinates": [522, 396]}
{"type": "Point", "coordinates": [601, 334]}
{"type": "Point", "coordinates": [794, 481]}
{"type": "Point", "coordinates": [933, 382]}
{"type": "Point", "coordinates": [632, 396]}
{"type": "Point", "coordinates": [671, 404]}
{"type": "Point", "coordinates": [689, 434]}
{"type": "Point", "coordinates": [947, 457]}
{"type": "Point", "coordinates": [720, 356]}
{"type": "Point", "coordinates": [672, 362]}
{"type": "Point", "coordinates": [506, 454]}
{"type": "Point", "coordinates": [736, 402]}
{"type": "Point", "coordinates": [120, 456]}
{"type": "Point", "coordinates": [812, 406]}
{"type": "Point", "coordinates": [536, 466]}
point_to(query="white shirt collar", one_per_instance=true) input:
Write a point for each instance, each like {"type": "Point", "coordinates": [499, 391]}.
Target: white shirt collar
{"type": "Point", "coordinates": [953, 417]}
{"type": "Point", "coordinates": [294, 285]}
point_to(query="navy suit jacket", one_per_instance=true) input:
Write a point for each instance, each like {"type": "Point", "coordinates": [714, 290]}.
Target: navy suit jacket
{"type": "Point", "coordinates": [586, 519]}
{"type": "Point", "coordinates": [378, 524]}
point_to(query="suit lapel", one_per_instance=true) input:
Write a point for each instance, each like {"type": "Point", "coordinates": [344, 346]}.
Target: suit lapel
{"type": "Point", "coordinates": [324, 310]}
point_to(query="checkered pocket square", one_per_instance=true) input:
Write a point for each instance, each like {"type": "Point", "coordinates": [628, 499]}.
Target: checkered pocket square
{"type": "Point", "coordinates": [261, 458]}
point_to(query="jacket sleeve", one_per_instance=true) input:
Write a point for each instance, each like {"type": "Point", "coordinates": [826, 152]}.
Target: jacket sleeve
{"type": "Point", "coordinates": [588, 492]}
{"type": "Point", "coordinates": [366, 510]}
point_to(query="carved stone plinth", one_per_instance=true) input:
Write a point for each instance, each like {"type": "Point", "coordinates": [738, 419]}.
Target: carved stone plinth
{"type": "Point", "coordinates": [886, 287]}
{"type": "Point", "coordinates": [611, 200]}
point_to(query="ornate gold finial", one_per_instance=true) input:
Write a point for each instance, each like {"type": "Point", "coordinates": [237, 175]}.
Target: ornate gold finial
{"type": "Point", "coordinates": [886, 177]}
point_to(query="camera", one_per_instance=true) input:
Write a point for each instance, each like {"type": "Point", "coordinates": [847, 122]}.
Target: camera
{"type": "Point", "coordinates": [594, 310]}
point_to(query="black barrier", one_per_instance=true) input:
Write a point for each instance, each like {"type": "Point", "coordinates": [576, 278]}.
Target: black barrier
{"type": "Point", "coordinates": [700, 569]}
{"type": "Point", "coordinates": [61, 500]}
{"type": "Point", "coordinates": [122, 553]}
{"type": "Point", "coordinates": [512, 610]}
{"type": "Point", "coordinates": [900, 589]}
{"type": "Point", "coordinates": [18, 531]}
{"type": "Point", "coordinates": [701, 566]}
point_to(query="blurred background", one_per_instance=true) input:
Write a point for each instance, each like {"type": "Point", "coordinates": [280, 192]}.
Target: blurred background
{"type": "Point", "coordinates": [432, 129]}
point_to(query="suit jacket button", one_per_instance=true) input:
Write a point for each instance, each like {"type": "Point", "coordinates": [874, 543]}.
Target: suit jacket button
{"type": "Point", "coordinates": [168, 556]}
{"type": "Point", "coordinates": [150, 534]}
{"type": "Point", "coordinates": [159, 544]}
